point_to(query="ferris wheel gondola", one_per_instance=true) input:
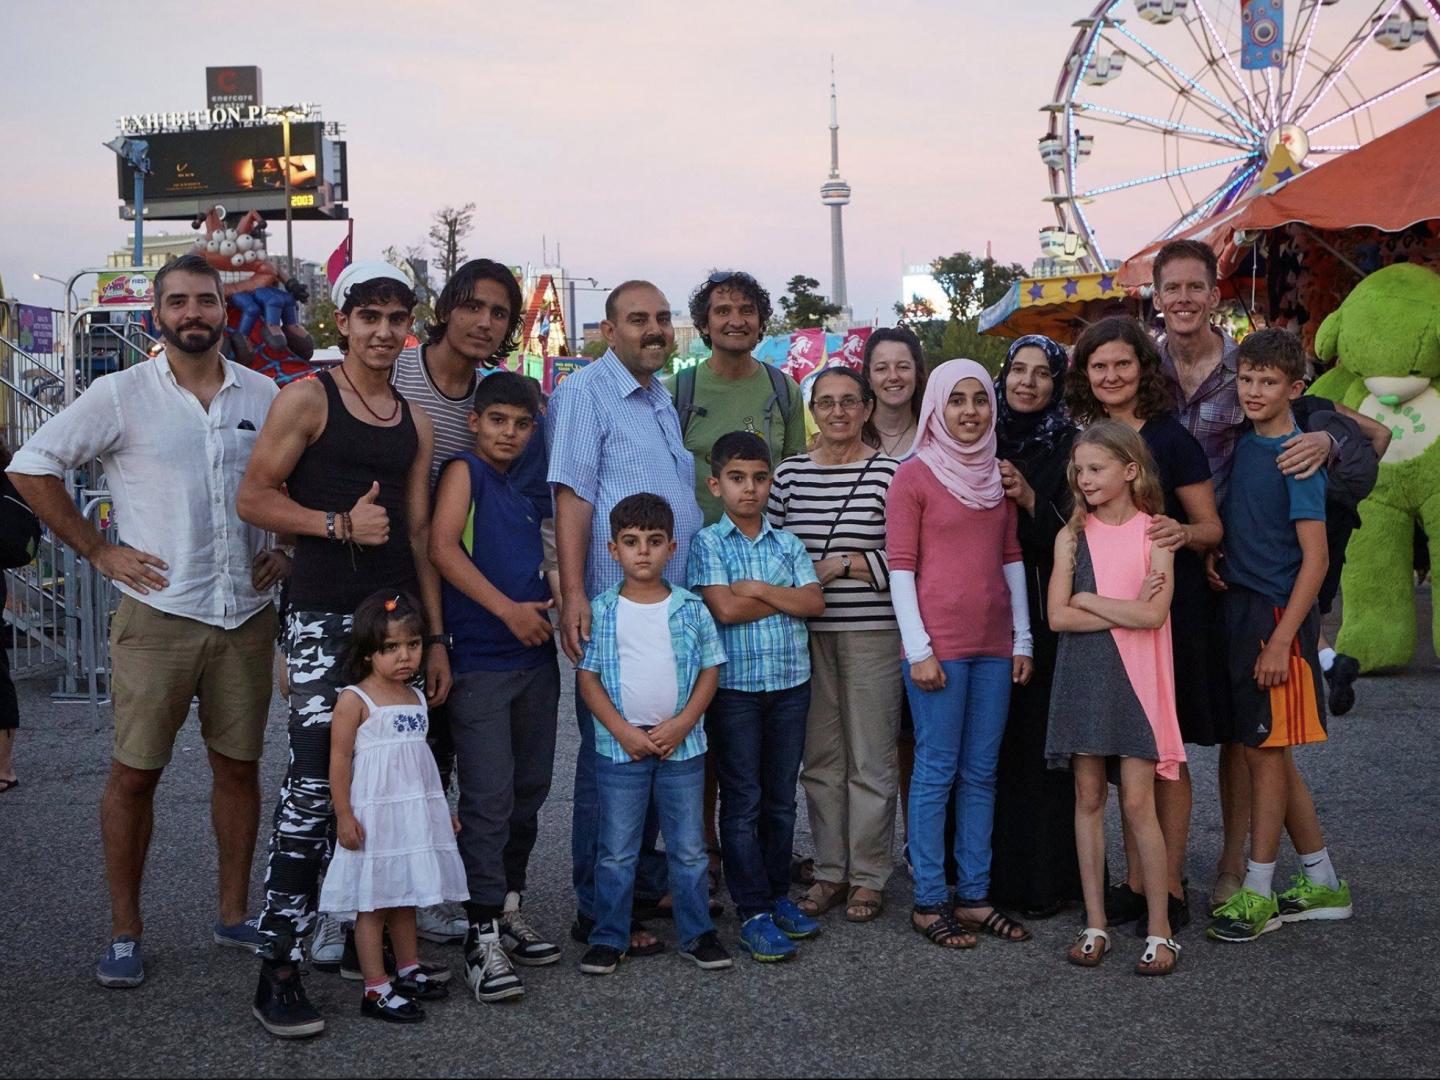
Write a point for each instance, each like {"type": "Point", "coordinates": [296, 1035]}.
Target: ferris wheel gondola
{"type": "Point", "coordinates": [1190, 98]}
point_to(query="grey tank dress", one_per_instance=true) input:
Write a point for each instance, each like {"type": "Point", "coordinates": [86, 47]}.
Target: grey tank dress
{"type": "Point", "coordinates": [1093, 707]}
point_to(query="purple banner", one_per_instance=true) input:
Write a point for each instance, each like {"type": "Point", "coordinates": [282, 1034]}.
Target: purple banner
{"type": "Point", "coordinates": [36, 329]}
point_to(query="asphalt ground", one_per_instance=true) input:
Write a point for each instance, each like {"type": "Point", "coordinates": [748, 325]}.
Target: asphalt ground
{"type": "Point", "coordinates": [1355, 998]}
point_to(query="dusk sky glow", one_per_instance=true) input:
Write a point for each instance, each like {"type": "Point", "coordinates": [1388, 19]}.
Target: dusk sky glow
{"type": "Point", "coordinates": [646, 139]}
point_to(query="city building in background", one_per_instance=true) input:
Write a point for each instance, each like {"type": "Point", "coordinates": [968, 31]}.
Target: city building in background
{"type": "Point", "coordinates": [917, 282]}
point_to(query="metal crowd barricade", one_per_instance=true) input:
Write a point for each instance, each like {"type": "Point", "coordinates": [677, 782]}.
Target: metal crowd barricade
{"type": "Point", "coordinates": [59, 606]}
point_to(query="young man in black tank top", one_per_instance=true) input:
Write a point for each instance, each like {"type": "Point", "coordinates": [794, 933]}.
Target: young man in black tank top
{"type": "Point", "coordinates": [342, 464]}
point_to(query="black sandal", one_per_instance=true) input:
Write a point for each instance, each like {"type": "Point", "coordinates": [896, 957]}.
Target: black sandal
{"type": "Point", "coordinates": [945, 931]}
{"type": "Point", "coordinates": [997, 924]}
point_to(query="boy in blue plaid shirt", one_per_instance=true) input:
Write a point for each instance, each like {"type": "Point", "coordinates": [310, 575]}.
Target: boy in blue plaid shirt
{"type": "Point", "coordinates": [648, 674]}
{"type": "Point", "coordinates": [760, 584]}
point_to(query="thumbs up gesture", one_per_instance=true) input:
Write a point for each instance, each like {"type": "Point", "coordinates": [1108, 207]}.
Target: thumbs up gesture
{"type": "Point", "coordinates": [369, 521]}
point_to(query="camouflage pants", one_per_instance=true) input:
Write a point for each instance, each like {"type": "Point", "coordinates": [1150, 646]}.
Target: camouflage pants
{"type": "Point", "coordinates": [304, 826]}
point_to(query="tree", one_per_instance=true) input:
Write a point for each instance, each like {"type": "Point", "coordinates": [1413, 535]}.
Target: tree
{"type": "Point", "coordinates": [594, 349]}
{"type": "Point", "coordinates": [805, 308]}
{"type": "Point", "coordinates": [412, 263]}
{"type": "Point", "coordinates": [320, 322]}
{"type": "Point", "coordinates": [970, 284]}
{"type": "Point", "coordinates": [918, 310]}
{"type": "Point", "coordinates": [447, 236]}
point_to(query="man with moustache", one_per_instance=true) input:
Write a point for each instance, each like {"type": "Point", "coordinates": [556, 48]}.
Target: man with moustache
{"type": "Point", "coordinates": [174, 435]}
{"type": "Point", "coordinates": [613, 432]}
{"type": "Point", "coordinates": [343, 465]}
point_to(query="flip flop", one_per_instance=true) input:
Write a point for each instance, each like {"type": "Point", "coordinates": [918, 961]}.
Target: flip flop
{"type": "Point", "coordinates": [6, 785]}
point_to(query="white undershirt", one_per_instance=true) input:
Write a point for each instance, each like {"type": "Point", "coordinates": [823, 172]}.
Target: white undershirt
{"type": "Point", "coordinates": [649, 691]}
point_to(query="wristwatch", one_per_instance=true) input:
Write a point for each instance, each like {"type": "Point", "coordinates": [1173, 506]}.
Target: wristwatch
{"type": "Point", "coordinates": [438, 639]}
{"type": "Point", "coordinates": [844, 565]}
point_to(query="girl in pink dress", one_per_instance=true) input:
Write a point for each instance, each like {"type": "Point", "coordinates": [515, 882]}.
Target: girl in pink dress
{"type": "Point", "coordinates": [1114, 690]}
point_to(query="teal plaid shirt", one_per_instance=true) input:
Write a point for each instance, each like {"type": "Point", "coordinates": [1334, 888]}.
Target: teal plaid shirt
{"type": "Point", "coordinates": [772, 653]}
{"type": "Point", "coordinates": [697, 647]}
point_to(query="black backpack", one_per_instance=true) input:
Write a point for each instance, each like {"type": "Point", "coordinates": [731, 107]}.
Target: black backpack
{"type": "Point", "coordinates": [685, 397]}
{"type": "Point", "coordinates": [19, 528]}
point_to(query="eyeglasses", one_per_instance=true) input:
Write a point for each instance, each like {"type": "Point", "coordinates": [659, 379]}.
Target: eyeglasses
{"type": "Point", "coordinates": [848, 403]}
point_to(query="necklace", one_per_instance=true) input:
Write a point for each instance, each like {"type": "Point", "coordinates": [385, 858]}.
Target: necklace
{"type": "Point", "coordinates": [897, 436]}
{"type": "Point", "coordinates": [372, 412]}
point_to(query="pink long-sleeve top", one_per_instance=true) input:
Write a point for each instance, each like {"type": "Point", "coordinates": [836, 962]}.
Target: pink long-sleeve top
{"type": "Point", "coordinates": [959, 557]}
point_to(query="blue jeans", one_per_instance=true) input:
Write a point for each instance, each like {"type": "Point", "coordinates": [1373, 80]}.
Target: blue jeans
{"type": "Point", "coordinates": [756, 742]}
{"type": "Point", "coordinates": [627, 790]}
{"type": "Point", "coordinates": [585, 827]}
{"type": "Point", "coordinates": [958, 731]}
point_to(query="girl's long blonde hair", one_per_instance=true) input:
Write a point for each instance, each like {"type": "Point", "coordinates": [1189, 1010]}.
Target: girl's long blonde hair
{"type": "Point", "coordinates": [1123, 443]}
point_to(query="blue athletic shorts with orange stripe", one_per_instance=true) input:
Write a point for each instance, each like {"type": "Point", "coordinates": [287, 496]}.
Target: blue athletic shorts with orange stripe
{"type": "Point", "coordinates": [1291, 714]}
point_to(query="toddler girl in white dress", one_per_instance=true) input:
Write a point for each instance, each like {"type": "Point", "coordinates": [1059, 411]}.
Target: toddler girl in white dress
{"type": "Point", "coordinates": [397, 837]}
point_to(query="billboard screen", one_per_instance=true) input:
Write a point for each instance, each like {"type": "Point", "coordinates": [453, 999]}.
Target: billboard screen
{"type": "Point", "coordinates": [222, 161]}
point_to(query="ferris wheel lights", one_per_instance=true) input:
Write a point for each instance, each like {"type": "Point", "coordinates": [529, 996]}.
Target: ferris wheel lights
{"type": "Point", "coordinates": [1160, 12]}
{"type": "Point", "coordinates": [1399, 32]}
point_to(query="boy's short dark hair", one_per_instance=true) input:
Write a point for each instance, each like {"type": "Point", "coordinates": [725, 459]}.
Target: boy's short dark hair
{"type": "Point", "coordinates": [506, 388]}
{"type": "Point", "coordinates": [737, 446]}
{"type": "Point", "coordinates": [1274, 348]}
{"type": "Point", "coordinates": [642, 511]}
{"type": "Point", "coordinates": [1186, 249]}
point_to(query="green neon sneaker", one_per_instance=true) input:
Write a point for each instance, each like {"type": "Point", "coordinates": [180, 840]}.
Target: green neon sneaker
{"type": "Point", "coordinates": [1307, 899]}
{"type": "Point", "coordinates": [1244, 917]}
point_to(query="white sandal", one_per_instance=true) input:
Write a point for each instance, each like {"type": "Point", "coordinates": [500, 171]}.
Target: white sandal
{"type": "Point", "coordinates": [1153, 945]}
{"type": "Point", "coordinates": [1090, 951]}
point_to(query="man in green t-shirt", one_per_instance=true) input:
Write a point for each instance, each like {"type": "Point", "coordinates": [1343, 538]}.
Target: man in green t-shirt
{"type": "Point", "coordinates": [732, 391]}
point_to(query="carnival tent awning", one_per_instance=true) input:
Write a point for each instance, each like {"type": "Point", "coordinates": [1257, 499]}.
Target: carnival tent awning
{"type": "Point", "coordinates": [1388, 184]}
{"type": "Point", "coordinates": [1053, 306]}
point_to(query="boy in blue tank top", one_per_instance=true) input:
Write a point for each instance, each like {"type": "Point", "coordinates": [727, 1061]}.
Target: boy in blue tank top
{"type": "Point", "coordinates": [485, 542]}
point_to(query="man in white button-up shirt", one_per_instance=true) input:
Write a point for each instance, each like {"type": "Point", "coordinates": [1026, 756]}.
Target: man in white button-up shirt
{"type": "Point", "coordinates": [174, 435]}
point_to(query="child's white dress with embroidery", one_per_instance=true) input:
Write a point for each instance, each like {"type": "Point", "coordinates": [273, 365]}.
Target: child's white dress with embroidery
{"type": "Point", "coordinates": [408, 858]}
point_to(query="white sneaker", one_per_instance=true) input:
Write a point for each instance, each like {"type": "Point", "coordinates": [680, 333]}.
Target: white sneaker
{"type": "Point", "coordinates": [327, 947]}
{"type": "Point", "coordinates": [444, 923]}
{"type": "Point", "coordinates": [488, 970]}
{"type": "Point", "coordinates": [520, 939]}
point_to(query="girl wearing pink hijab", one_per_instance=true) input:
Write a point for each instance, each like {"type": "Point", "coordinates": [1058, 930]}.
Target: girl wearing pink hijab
{"type": "Point", "coordinates": [958, 585]}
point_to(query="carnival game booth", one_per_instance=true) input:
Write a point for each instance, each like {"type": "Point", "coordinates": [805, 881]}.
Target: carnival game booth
{"type": "Point", "coordinates": [1290, 254]}
{"type": "Point", "coordinates": [1058, 307]}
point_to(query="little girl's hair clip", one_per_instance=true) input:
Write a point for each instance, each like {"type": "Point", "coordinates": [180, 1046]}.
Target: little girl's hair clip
{"type": "Point", "coordinates": [392, 604]}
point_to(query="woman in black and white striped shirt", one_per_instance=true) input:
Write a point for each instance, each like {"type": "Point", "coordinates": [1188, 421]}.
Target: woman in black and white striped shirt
{"type": "Point", "coordinates": [833, 499]}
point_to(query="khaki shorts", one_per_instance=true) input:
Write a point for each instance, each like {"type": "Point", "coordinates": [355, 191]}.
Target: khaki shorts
{"type": "Point", "coordinates": [159, 662]}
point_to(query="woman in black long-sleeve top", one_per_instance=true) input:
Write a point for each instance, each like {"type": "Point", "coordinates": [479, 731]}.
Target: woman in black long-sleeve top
{"type": "Point", "coordinates": [1034, 865]}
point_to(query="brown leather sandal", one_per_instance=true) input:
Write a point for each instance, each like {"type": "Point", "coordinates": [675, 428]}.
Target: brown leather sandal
{"type": "Point", "coordinates": [868, 909]}
{"type": "Point", "coordinates": [820, 897]}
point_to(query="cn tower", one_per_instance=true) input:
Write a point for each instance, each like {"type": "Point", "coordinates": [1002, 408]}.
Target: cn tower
{"type": "Point", "coordinates": [835, 194]}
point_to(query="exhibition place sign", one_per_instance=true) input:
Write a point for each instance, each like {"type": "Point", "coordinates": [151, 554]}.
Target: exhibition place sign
{"type": "Point", "coordinates": [219, 116]}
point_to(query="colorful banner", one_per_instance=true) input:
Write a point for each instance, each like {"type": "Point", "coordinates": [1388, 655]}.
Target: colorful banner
{"type": "Point", "coordinates": [1263, 35]}
{"type": "Point", "coordinates": [560, 368]}
{"type": "Point", "coordinates": [124, 287]}
{"type": "Point", "coordinates": [851, 352]}
{"type": "Point", "coordinates": [36, 329]}
{"type": "Point", "coordinates": [806, 353]}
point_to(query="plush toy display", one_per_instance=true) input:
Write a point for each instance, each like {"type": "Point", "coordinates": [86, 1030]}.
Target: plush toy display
{"type": "Point", "coordinates": [1385, 339]}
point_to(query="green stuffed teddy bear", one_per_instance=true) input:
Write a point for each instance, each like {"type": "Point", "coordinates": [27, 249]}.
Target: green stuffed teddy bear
{"type": "Point", "coordinates": [1386, 339]}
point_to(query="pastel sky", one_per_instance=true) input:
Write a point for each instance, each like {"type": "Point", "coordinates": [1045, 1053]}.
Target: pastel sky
{"type": "Point", "coordinates": [646, 139]}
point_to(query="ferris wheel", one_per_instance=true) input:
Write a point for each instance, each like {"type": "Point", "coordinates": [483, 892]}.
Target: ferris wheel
{"type": "Point", "coordinates": [1167, 111]}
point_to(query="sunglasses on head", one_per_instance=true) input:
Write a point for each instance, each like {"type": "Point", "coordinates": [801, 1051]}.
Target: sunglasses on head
{"type": "Point", "coordinates": [720, 277]}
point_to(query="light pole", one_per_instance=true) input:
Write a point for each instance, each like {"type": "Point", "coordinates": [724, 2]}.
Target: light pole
{"type": "Point", "coordinates": [136, 154]}
{"type": "Point", "coordinates": [63, 284]}
{"type": "Point", "coordinates": [286, 114]}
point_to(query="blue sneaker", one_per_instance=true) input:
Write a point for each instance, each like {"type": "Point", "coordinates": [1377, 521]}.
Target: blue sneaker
{"type": "Point", "coordinates": [793, 922]}
{"type": "Point", "coordinates": [241, 935]}
{"type": "Point", "coordinates": [121, 965]}
{"type": "Point", "coordinates": [766, 942]}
